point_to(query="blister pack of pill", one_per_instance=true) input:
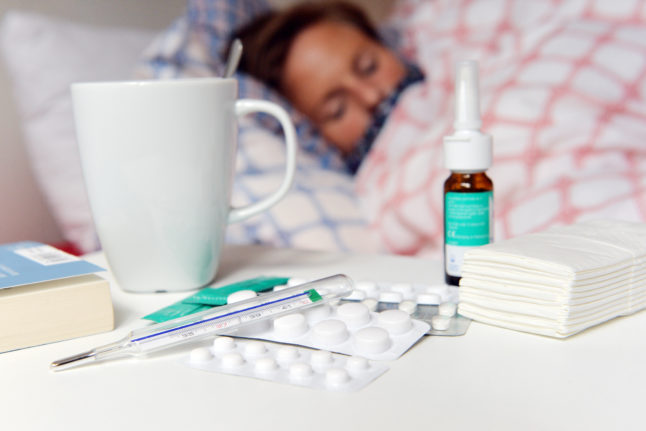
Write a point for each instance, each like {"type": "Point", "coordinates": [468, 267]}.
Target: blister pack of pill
{"type": "Point", "coordinates": [433, 304]}
{"type": "Point", "coordinates": [318, 369]}
{"type": "Point", "coordinates": [349, 328]}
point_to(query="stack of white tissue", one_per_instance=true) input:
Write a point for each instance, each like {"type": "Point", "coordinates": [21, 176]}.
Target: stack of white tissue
{"type": "Point", "coordinates": [558, 282]}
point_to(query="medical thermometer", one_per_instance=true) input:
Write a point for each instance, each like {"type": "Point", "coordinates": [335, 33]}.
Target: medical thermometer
{"type": "Point", "coordinates": [216, 321]}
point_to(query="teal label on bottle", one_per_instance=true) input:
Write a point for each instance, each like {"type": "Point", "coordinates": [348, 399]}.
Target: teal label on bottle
{"type": "Point", "coordinates": [468, 219]}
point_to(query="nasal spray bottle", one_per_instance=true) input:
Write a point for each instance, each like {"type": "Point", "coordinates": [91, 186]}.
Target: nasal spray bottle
{"type": "Point", "coordinates": [468, 192]}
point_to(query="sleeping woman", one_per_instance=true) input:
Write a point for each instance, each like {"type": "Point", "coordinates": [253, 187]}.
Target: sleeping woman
{"type": "Point", "coordinates": [563, 88]}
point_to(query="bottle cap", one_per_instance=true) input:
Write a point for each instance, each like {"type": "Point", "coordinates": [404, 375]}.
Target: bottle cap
{"type": "Point", "coordinates": [468, 149]}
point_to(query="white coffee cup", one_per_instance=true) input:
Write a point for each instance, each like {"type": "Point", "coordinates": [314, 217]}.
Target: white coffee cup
{"type": "Point", "coordinates": [158, 159]}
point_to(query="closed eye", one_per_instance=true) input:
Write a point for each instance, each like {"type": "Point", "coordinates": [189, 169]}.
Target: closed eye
{"type": "Point", "coordinates": [366, 63]}
{"type": "Point", "coordinates": [334, 108]}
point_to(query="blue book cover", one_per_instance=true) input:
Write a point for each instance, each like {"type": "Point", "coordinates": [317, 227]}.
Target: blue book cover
{"type": "Point", "coordinates": [29, 262]}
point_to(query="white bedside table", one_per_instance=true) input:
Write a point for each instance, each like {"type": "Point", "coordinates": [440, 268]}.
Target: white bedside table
{"type": "Point", "coordinates": [490, 378]}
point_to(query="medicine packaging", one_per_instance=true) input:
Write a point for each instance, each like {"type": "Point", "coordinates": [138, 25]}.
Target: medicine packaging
{"type": "Point", "coordinates": [434, 304]}
{"type": "Point", "coordinates": [317, 369]}
{"type": "Point", "coordinates": [349, 328]}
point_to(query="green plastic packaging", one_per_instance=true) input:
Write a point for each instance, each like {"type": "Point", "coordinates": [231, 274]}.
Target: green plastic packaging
{"type": "Point", "coordinates": [212, 297]}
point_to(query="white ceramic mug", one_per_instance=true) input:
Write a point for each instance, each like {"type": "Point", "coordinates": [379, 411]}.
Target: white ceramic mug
{"type": "Point", "coordinates": [158, 159]}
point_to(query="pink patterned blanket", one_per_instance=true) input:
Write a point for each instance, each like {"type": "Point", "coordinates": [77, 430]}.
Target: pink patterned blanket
{"type": "Point", "coordinates": [563, 92]}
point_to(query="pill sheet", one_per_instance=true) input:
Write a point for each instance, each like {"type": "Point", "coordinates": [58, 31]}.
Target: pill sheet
{"type": "Point", "coordinates": [316, 369]}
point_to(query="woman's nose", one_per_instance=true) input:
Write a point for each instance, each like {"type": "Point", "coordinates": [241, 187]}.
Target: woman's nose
{"type": "Point", "coordinates": [370, 95]}
{"type": "Point", "coordinates": [367, 93]}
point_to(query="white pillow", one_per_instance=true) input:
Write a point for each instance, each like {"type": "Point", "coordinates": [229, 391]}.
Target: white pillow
{"type": "Point", "coordinates": [44, 56]}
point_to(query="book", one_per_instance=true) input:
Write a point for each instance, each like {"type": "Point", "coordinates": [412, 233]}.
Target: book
{"type": "Point", "coordinates": [47, 295]}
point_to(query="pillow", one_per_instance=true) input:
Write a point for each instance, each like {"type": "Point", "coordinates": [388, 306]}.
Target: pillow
{"type": "Point", "coordinates": [44, 56]}
{"type": "Point", "coordinates": [319, 212]}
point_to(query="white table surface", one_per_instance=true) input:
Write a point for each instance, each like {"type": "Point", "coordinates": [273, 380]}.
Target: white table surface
{"type": "Point", "coordinates": [491, 378]}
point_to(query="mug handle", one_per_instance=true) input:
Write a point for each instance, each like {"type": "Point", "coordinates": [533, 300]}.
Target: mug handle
{"type": "Point", "coordinates": [247, 106]}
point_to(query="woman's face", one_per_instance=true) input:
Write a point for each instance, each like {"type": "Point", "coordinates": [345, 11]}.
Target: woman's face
{"type": "Point", "coordinates": [336, 75]}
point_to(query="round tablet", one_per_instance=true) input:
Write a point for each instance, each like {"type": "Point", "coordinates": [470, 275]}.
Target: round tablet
{"type": "Point", "coordinates": [357, 363]}
{"type": "Point", "coordinates": [370, 287]}
{"type": "Point", "coordinates": [223, 344]}
{"type": "Point", "coordinates": [295, 281]}
{"type": "Point", "coordinates": [318, 312]}
{"type": "Point", "coordinates": [440, 323]}
{"type": "Point", "coordinates": [321, 358]}
{"type": "Point", "coordinates": [356, 295]}
{"type": "Point", "coordinates": [291, 325]}
{"type": "Point", "coordinates": [354, 313]}
{"type": "Point", "coordinates": [266, 365]}
{"type": "Point", "coordinates": [395, 321]}
{"type": "Point", "coordinates": [255, 348]}
{"type": "Point", "coordinates": [438, 289]}
{"type": "Point", "coordinates": [300, 370]}
{"type": "Point", "coordinates": [391, 297]}
{"type": "Point", "coordinates": [232, 360]}
{"type": "Point", "coordinates": [372, 340]}
{"type": "Point", "coordinates": [336, 377]}
{"type": "Point", "coordinates": [330, 332]}
{"type": "Point", "coordinates": [287, 354]}
{"type": "Point", "coordinates": [447, 309]}
{"type": "Point", "coordinates": [370, 303]}
{"type": "Point", "coordinates": [404, 288]}
{"type": "Point", "coordinates": [201, 355]}
{"type": "Point", "coordinates": [428, 299]}
{"type": "Point", "coordinates": [240, 295]}
{"type": "Point", "coordinates": [408, 306]}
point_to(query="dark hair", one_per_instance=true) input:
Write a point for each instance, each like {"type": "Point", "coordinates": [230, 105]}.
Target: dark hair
{"type": "Point", "coordinates": [268, 38]}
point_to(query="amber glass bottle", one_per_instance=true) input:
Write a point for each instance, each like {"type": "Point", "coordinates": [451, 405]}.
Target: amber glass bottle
{"type": "Point", "coordinates": [468, 216]}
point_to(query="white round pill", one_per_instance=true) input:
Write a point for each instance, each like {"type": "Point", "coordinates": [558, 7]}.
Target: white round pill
{"type": "Point", "coordinates": [428, 299]}
{"type": "Point", "coordinates": [447, 309]}
{"type": "Point", "coordinates": [370, 303]}
{"type": "Point", "coordinates": [404, 288]}
{"type": "Point", "coordinates": [291, 325]}
{"type": "Point", "coordinates": [408, 306]}
{"type": "Point", "coordinates": [266, 365]}
{"type": "Point", "coordinates": [319, 312]}
{"type": "Point", "coordinates": [330, 332]}
{"type": "Point", "coordinates": [232, 360]}
{"type": "Point", "coordinates": [336, 377]}
{"type": "Point", "coordinates": [295, 281]}
{"type": "Point", "coordinates": [390, 297]}
{"type": "Point", "coordinates": [255, 349]}
{"type": "Point", "coordinates": [223, 344]}
{"type": "Point", "coordinates": [357, 363]}
{"type": "Point", "coordinates": [241, 295]}
{"type": "Point", "coordinates": [300, 371]}
{"type": "Point", "coordinates": [201, 355]}
{"type": "Point", "coordinates": [287, 354]}
{"type": "Point", "coordinates": [440, 323]}
{"type": "Point", "coordinates": [372, 340]}
{"type": "Point", "coordinates": [370, 287]}
{"type": "Point", "coordinates": [321, 358]}
{"type": "Point", "coordinates": [354, 313]}
{"type": "Point", "coordinates": [438, 289]}
{"type": "Point", "coordinates": [395, 321]}
{"type": "Point", "coordinates": [356, 295]}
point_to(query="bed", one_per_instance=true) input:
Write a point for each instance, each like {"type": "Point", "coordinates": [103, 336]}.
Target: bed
{"type": "Point", "coordinates": [568, 126]}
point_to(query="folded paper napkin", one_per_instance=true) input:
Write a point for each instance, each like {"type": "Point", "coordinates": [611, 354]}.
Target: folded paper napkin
{"type": "Point", "coordinates": [558, 282]}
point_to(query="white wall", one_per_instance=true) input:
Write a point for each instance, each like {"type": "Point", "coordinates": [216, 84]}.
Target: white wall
{"type": "Point", "coordinates": [23, 211]}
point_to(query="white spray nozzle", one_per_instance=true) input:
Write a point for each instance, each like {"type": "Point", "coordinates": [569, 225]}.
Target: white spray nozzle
{"type": "Point", "coordinates": [467, 97]}
{"type": "Point", "coordinates": [468, 149]}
